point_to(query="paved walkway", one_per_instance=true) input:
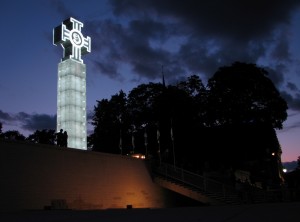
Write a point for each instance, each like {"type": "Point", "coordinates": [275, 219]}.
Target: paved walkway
{"type": "Point", "coordinates": [275, 212]}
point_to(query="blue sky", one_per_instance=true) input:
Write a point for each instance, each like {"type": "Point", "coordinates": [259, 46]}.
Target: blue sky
{"type": "Point", "coordinates": [131, 39]}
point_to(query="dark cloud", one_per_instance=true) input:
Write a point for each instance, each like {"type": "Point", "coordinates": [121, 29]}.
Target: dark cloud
{"type": "Point", "coordinates": [292, 100]}
{"type": "Point", "coordinates": [21, 116]}
{"type": "Point", "coordinates": [37, 121]}
{"type": "Point", "coordinates": [107, 67]}
{"type": "Point", "coordinates": [33, 122]}
{"type": "Point", "coordinates": [30, 122]}
{"type": "Point", "coordinates": [291, 125]}
{"type": "Point", "coordinates": [190, 37]}
{"type": "Point", "coordinates": [61, 8]}
{"type": "Point", "coordinates": [281, 51]}
{"type": "Point", "coordinates": [242, 20]}
{"type": "Point", "coordinates": [145, 29]}
{"type": "Point", "coordinates": [214, 33]}
{"type": "Point", "coordinates": [107, 44]}
{"type": "Point", "coordinates": [211, 34]}
{"type": "Point", "coordinates": [292, 86]}
{"type": "Point", "coordinates": [276, 74]}
{"type": "Point", "coordinates": [5, 116]}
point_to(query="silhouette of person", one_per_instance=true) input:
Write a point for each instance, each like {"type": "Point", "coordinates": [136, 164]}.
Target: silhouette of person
{"type": "Point", "coordinates": [59, 138]}
{"type": "Point", "coordinates": [65, 139]}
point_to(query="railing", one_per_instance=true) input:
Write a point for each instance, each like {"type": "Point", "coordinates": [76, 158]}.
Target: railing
{"type": "Point", "coordinates": [199, 182]}
{"type": "Point", "coordinates": [218, 189]}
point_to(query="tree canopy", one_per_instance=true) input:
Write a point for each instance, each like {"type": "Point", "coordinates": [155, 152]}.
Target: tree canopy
{"type": "Point", "coordinates": [243, 94]}
{"type": "Point", "coordinates": [45, 136]}
{"type": "Point", "coordinates": [13, 135]}
{"type": "Point", "coordinates": [229, 123]}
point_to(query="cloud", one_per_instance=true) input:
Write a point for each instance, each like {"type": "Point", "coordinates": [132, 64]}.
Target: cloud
{"type": "Point", "coordinates": [191, 37]}
{"type": "Point", "coordinates": [5, 116]}
{"type": "Point", "coordinates": [29, 122]}
{"type": "Point", "coordinates": [33, 122]}
{"type": "Point", "coordinates": [281, 50]}
{"type": "Point", "coordinates": [37, 121]}
{"type": "Point", "coordinates": [188, 36]}
{"type": "Point", "coordinates": [61, 8]}
{"type": "Point", "coordinates": [234, 19]}
{"type": "Point", "coordinates": [185, 36]}
{"type": "Point", "coordinates": [212, 33]}
{"type": "Point", "coordinates": [293, 123]}
{"type": "Point", "coordinates": [293, 101]}
{"type": "Point", "coordinates": [292, 86]}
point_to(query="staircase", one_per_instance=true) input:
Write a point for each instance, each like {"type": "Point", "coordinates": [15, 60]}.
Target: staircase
{"type": "Point", "coordinates": [194, 186]}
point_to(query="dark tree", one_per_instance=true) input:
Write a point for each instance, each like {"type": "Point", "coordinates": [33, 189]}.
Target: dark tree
{"type": "Point", "coordinates": [193, 100]}
{"type": "Point", "coordinates": [170, 111]}
{"type": "Point", "coordinates": [143, 103]}
{"type": "Point", "coordinates": [245, 108]}
{"type": "Point", "coordinates": [230, 124]}
{"type": "Point", "coordinates": [180, 114]}
{"type": "Point", "coordinates": [13, 135]}
{"type": "Point", "coordinates": [173, 111]}
{"type": "Point", "coordinates": [243, 94]}
{"type": "Point", "coordinates": [145, 109]}
{"type": "Point", "coordinates": [45, 136]}
{"type": "Point", "coordinates": [193, 86]}
{"type": "Point", "coordinates": [111, 122]}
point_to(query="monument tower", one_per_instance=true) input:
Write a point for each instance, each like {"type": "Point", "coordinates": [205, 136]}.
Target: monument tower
{"type": "Point", "coordinates": [71, 84]}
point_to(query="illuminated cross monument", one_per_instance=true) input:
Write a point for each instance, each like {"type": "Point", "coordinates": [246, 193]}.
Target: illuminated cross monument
{"type": "Point", "coordinates": [71, 87]}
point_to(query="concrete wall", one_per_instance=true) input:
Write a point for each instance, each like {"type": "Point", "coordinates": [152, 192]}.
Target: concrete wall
{"type": "Point", "coordinates": [32, 175]}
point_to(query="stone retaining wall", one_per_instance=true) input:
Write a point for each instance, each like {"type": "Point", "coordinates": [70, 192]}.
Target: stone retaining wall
{"type": "Point", "coordinates": [34, 176]}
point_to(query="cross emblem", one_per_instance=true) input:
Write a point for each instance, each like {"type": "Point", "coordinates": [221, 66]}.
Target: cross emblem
{"type": "Point", "coordinates": [69, 35]}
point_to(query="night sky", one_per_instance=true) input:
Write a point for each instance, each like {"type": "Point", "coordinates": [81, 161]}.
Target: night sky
{"type": "Point", "coordinates": [132, 39]}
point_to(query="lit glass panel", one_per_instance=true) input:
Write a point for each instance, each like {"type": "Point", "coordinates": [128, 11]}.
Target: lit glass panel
{"type": "Point", "coordinates": [71, 105]}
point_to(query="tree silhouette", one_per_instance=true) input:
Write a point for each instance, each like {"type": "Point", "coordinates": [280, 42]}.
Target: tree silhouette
{"type": "Point", "coordinates": [13, 135]}
{"type": "Point", "coordinates": [45, 136]}
{"type": "Point", "coordinates": [229, 124]}
{"type": "Point", "coordinates": [243, 94]}
{"type": "Point", "coordinates": [110, 121]}
{"type": "Point", "coordinates": [143, 103]}
{"type": "Point", "coordinates": [193, 86]}
{"type": "Point", "coordinates": [244, 109]}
